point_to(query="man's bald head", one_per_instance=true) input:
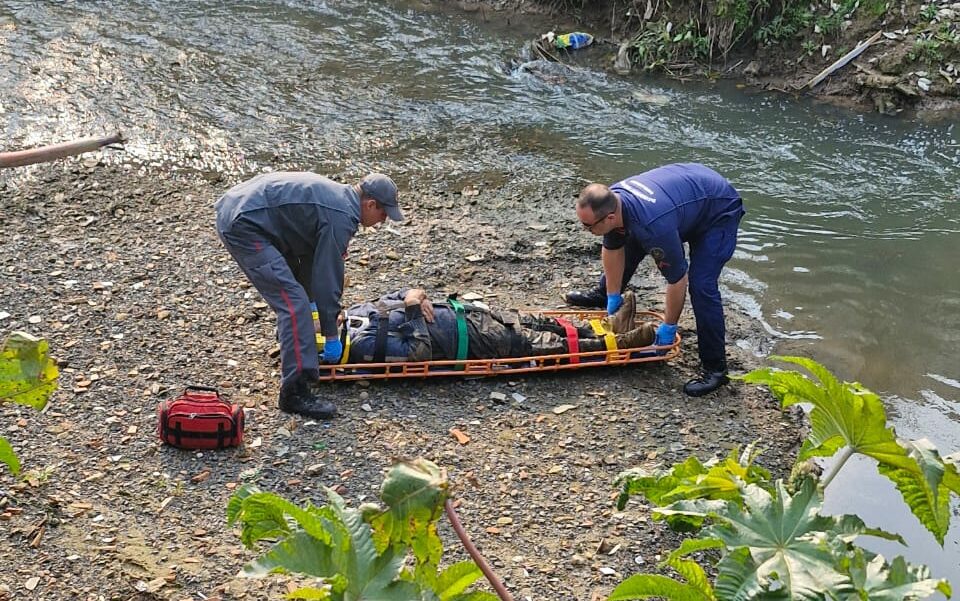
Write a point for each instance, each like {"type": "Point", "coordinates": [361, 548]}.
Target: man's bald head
{"type": "Point", "coordinates": [598, 198]}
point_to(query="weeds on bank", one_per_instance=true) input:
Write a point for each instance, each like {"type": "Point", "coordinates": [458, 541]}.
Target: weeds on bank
{"type": "Point", "coordinates": [935, 45]}
{"type": "Point", "coordinates": [725, 25]}
{"type": "Point", "coordinates": [925, 51]}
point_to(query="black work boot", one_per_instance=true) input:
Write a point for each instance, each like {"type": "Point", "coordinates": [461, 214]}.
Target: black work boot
{"type": "Point", "coordinates": [595, 297]}
{"type": "Point", "coordinates": [710, 379]}
{"type": "Point", "coordinates": [298, 397]}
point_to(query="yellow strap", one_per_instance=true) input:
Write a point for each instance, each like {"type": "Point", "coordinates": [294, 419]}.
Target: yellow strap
{"type": "Point", "coordinates": [608, 338]}
{"type": "Point", "coordinates": [346, 347]}
{"type": "Point", "coordinates": [320, 339]}
{"type": "Point", "coordinates": [345, 358]}
{"type": "Point", "coordinates": [346, 342]}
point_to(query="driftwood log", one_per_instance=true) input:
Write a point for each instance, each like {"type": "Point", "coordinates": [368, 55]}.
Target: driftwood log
{"type": "Point", "coordinates": [842, 61]}
{"type": "Point", "coordinates": [56, 151]}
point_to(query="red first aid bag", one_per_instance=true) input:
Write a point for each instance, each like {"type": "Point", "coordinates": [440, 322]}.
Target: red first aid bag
{"type": "Point", "coordinates": [200, 419]}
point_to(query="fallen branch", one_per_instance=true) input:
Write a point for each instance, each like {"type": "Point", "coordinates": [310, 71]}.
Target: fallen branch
{"type": "Point", "coordinates": [842, 61]}
{"type": "Point", "coordinates": [56, 151]}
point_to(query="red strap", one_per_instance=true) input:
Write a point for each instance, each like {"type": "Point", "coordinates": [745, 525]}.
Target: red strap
{"type": "Point", "coordinates": [573, 339]}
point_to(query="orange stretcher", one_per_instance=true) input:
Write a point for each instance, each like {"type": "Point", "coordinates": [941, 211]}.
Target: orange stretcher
{"type": "Point", "coordinates": [513, 365]}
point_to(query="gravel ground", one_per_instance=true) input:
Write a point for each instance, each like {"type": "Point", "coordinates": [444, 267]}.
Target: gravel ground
{"type": "Point", "coordinates": [119, 267]}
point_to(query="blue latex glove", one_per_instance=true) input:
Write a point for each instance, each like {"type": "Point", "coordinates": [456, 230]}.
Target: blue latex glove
{"type": "Point", "coordinates": [666, 333]}
{"type": "Point", "coordinates": [614, 301]}
{"type": "Point", "coordinates": [332, 350]}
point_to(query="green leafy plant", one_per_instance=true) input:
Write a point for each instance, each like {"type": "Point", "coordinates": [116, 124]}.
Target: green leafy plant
{"type": "Point", "coordinates": [926, 51]}
{"type": "Point", "coordinates": [790, 21]}
{"type": "Point", "coordinates": [361, 553]}
{"type": "Point", "coordinates": [809, 49]}
{"type": "Point", "coordinates": [770, 539]}
{"type": "Point", "coordinates": [875, 8]}
{"type": "Point", "coordinates": [28, 376]}
{"type": "Point", "coordinates": [948, 34]}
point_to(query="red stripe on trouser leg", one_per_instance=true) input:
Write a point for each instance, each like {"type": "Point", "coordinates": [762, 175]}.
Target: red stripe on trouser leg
{"type": "Point", "coordinates": [573, 339]}
{"type": "Point", "coordinates": [293, 326]}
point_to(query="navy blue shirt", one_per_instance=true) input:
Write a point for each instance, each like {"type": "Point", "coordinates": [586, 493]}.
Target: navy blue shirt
{"type": "Point", "coordinates": [667, 206]}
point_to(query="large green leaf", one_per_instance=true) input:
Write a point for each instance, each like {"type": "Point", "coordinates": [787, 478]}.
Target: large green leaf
{"type": "Point", "coordinates": [927, 493]}
{"type": "Point", "coordinates": [299, 553]}
{"type": "Point", "coordinates": [899, 581]}
{"type": "Point", "coordinates": [456, 579]}
{"type": "Point", "coordinates": [310, 593]}
{"type": "Point", "coordinates": [414, 492]}
{"type": "Point", "coordinates": [848, 415]}
{"type": "Point", "coordinates": [689, 569]}
{"type": "Point", "coordinates": [337, 543]}
{"type": "Point", "coordinates": [346, 558]}
{"type": "Point", "coordinates": [371, 575]}
{"type": "Point", "coordinates": [656, 484]}
{"type": "Point", "coordinates": [738, 580]}
{"type": "Point", "coordinates": [716, 479]}
{"type": "Point", "coordinates": [8, 457]}
{"type": "Point", "coordinates": [792, 549]}
{"type": "Point", "coordinates": [265, 515]}
{"type": "Point", "coordinates": [645, 586]}
{"type": "Point", "coordinates": [28, 375]}
{"type": "Point", "coordinates": [842, 414]}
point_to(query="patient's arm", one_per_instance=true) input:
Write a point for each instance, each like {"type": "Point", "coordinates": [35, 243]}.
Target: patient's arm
{"type": "Point", "coordinates": [416, 296]}
{"type": "Point", "coordinates": [414, 330]}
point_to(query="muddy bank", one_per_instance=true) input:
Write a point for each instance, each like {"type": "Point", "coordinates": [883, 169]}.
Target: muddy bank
{"type": "Point", "coordinates": [911, 67]}
{"type": "Point", "coordinates": [119, 268]}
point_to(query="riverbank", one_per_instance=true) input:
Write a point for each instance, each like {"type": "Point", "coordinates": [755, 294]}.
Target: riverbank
{"type": "Point", "coordinates": [910, 68]}
{"type": "Point", "coordinates": [119, 268]}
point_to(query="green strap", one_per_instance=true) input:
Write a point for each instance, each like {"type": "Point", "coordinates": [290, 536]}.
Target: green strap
{"type": "Point", "coordinates": [461, 329]}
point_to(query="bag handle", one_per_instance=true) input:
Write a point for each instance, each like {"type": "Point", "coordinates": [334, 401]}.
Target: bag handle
{"type": "Point", "coordinates": [203, 389]}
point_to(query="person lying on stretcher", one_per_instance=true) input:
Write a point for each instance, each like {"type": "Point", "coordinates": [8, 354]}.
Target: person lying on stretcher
{"type": "Point", "coordinates": [419, 329]}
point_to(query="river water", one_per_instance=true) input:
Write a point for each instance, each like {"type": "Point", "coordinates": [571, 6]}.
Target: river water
{"type": "Point", "coordinates": [848, 253]}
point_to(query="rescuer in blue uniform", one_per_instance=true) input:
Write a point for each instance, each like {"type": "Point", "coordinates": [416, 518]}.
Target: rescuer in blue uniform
{"type": "Point", "coordinates": [289, 233]}
{"type": "Point", "coordinates": [654, 213]}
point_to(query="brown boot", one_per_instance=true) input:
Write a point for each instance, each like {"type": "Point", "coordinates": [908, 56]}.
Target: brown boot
{"type": "Point", "coordinates": [621, 322]}
{"type": "Point", "coordinates": [637, 337]}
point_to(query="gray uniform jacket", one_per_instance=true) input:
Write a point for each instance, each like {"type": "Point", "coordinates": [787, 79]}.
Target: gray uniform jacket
{"type": "Point", "coordinates": [308, 218]}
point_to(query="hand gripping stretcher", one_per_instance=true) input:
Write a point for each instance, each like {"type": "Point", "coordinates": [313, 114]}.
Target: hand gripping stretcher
{"type": "Point", "coordinates": [461, 366]}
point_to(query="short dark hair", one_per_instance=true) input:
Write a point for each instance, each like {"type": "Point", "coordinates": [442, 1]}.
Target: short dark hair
{"type": "Point", "coordinates": [601, 199]}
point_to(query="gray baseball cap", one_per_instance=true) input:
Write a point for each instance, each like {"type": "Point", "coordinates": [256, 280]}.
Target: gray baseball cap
{"type": "Point", "coordinates": [382, 189]}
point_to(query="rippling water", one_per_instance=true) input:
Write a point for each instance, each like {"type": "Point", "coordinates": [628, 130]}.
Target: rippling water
{"type": "Point", "coordinates": [848, 252]}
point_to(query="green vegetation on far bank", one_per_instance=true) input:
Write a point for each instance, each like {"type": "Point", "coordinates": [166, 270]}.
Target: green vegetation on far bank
{"type": "Point", "coordinates": [916, 57]}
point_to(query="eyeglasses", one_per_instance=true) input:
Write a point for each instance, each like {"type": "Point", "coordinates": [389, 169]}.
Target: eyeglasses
{"type": "Point", "coordinates": [590, 226]}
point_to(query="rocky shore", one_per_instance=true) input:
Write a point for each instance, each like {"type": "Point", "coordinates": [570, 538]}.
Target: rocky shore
{"type": "Point", "coordinates": [118, 266]}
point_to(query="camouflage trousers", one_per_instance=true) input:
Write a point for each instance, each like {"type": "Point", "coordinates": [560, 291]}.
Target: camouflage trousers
{"type": "Point", "coordinates": [499, 334]}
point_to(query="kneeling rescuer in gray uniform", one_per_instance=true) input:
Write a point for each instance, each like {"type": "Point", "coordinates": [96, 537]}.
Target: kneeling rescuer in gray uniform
{"type": "Point", "coordinates": [289, 233]}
